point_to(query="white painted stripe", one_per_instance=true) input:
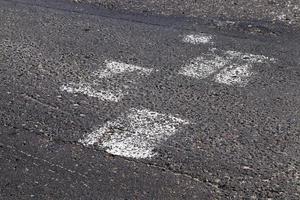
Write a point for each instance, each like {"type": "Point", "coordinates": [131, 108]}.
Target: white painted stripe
{"type": "Point", "coordinates": [113, 68]}
{"type": "Point", "coordinates": [203, 66]}
{"type": "Point", "coordinates": [87, 89]}
{"type": "Point", "coordinates": [135, 134]}
{"type": "Point", "coordinates": [201, 38]}
{"type": "Point", "coordinates": [235, 74]}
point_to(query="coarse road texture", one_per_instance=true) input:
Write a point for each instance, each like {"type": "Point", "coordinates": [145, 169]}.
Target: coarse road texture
{"type": "Point", "coordinates": [101, 105]}
{"type": "Point", "coordinates": [285, 11]}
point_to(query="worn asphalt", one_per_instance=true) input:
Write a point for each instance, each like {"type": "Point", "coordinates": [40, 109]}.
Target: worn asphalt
{"type": "Point", "coordinates": [277, 11]}
{"type": "Point", "coordinates": [242, 142]}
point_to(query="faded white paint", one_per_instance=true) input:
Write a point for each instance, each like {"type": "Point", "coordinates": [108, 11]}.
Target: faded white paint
{"type": "Point", "coordinates": [235, 74]}
{"type": "Point", "coordinates": [247, 57]}
{"type": "Point", "coordinates": [227, 67]}
{"type": "Point", "coordinates": [110, 73]}
{"type": "Point", "coordinates": [203, 66]}
{"type": "Point", "coordinates": [87, 89]}
{"type": "Point", "coordinates": [201, 38]}
{"type": "Point", "coordinates": [113, 68]}
{"type": "Point", "coordinates": [135, 134]}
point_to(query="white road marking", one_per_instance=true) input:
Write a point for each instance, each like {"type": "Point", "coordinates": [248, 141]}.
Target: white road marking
{"type": "Point", "coordinates": [114, 68]}
{"type": "Point", "coordinates": [227, 67]}
{"type": "Point", "coordinates": [201, 38]}
{"type": "Point", "coordinates": [135, 134]}
{"type": "Point", "coordinates": [110, 74]}
{"type": "Point", "coordinates": [203, 66]}
{"type": "Point", "coordinates": [247, 57]}
{"type": "Point", "coordinates": [87, 89]}
{"type": "Point", "coordinates": [235, 74]}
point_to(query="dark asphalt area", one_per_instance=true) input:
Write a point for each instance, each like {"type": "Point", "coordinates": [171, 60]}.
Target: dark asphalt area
{"type": "Point", "coordinates": [283, 11]}
{"type": "Point", "coordinates": [243, 142]}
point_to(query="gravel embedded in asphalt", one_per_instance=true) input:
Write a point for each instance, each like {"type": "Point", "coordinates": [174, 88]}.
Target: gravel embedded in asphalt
{"type": "Point", "coordinates": [219, 108]}
{"type": "Point", "coordinates": [284, 11]}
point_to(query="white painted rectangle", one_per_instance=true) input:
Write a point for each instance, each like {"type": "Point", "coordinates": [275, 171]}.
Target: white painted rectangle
{"type": "Point", "coordinates": [109, 74]}
{"type": "Point", "coordinates": [135, 134]}
{"type": "Point", "coordinates": [226, 67]}
{"type": "Point", "coordinates": [234, 74]}
{"type": "Point", "coordinates": [247, 57]}
{"type": "Point", "coordinates": [203, 66]}
{"type": "Point", "coordinates": [200, 38]}
{"type": "Point", "coordinates": [87, 89]}
{"type": "Point", "coordinates": [113, 68]}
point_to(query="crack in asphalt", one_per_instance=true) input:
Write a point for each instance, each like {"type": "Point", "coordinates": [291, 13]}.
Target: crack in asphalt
{"type": "Point", "coordinates": [43, 160]}
{"type": "Point", "coordinates": [26, 96]}
{"type": "Point", "coordinates": [151, 165]}
{"type": "Point", "coordinates": [75, 143]}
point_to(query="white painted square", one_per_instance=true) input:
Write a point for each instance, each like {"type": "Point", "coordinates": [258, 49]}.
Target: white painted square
{"type": "Point", "coordinates": [203, 66]}
{"type": "Point", "coordinates": [109, 83]}
{"type": "Point", "coordinates": [87, 89]}
{"type": "Point", "coordinates": [135, 134]}
{"type": "Point", "coordinates": [235, 74]}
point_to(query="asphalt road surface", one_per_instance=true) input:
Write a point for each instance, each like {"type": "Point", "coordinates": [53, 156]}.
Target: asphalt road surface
{"type": "Point", "coordinates": [96, 104]}
{"type": "Point", "coordinates": [283, 11]}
